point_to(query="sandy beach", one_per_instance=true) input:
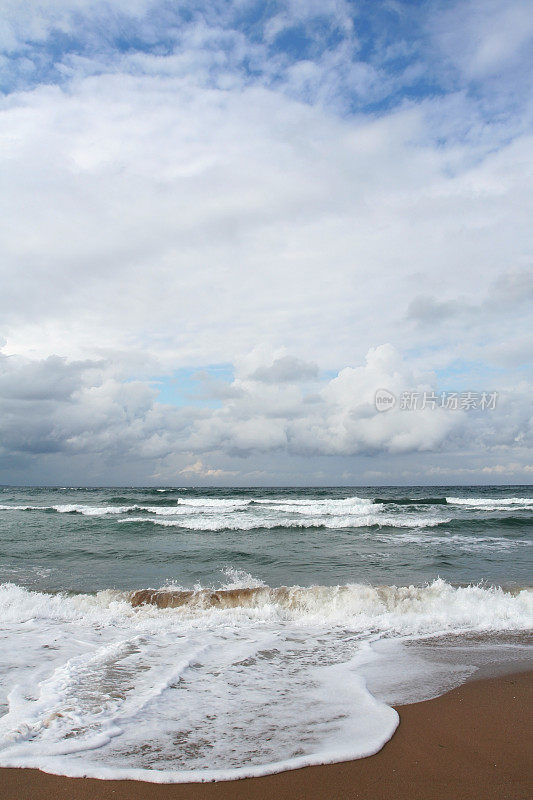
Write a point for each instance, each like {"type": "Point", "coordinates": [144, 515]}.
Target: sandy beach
{"type": "Point", "coordinates": [473, 743]}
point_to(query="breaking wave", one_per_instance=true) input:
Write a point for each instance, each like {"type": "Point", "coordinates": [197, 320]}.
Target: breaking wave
{"type": "Point", "coordinates": [255, 523]}
{"type": "Point", "coordinates": [484, 503]}
{"type": "Point", "coordinates": [405, 608]}
{"type": "Point", "coordinates": [437, 606]}
{"type": "Point", "coordinates": [411, 501]}
{"type": "Point", "coordinates": [177, 684]}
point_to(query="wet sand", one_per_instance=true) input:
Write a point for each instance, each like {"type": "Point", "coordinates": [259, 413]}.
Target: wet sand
{"type": "Point", "coordinates": [474, 743]}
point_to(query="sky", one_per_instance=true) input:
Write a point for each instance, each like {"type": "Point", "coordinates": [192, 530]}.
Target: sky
{"type": "Point", "coordinates": [226, 224]}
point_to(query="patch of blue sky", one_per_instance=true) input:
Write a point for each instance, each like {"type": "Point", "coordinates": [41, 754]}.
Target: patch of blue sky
{"type": "Point", "coordinates": [464, 375]}
{"type": "Point", "coordinates": [189, 386]}
{"type": "Point", "coordinates": [307, 41]}
{"type": "Point", "coordinates": [102, 32]}
{"type": "Point", "coordinates": [203, 386]}
{"type": "Point", "coordinates": [327, 374]}
{"type": "Point", "coordinates": [260, 41]}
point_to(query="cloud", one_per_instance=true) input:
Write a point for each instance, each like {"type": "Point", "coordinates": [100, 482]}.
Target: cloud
{"type": "Point", "coordinates": [510, 293]}
{"type": "Point", "coordinates": [80, 409]}
{"type": "Point", "coordinates": [198, 470]}
{"type": "Point", "coordinates": [277, 188]}
{"type": "Point", "coordinates": [135, 221]}
{"type": "Point", "coordinates": [286, 369]}
{"type": "Point", "coordinates": [53, 379]}
{"type": "Point", "coordinates": [484, 37]}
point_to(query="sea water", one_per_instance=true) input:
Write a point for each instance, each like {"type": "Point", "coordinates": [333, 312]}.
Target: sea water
{"type": "Point", "coordinates": [177, 634]}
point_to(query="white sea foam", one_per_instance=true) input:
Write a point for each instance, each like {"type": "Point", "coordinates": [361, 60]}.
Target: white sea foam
{"type": "Point", "coordinates": [325, 502]}
{"type": "Point", "coordinates": [207, 505]}
{"type": "Point", "coordinates": [240, 579]}
{"type": "Point", "coordinates": [94, 685]}
{"type": "Point", "coordinates": [245, 523]}
{"type": "Point", "coordinates": [492, 504]}
{"type": "Point", "coordinates": [74, 508]}
{"type": "Point", "coordinates": [390, 608]}
{"type": "Point", "coordinates": [245, 513]}
{"type": "Point", "coordinates": [22, 507]}
{"type": "Point", "coordinates": [101, 511]}
{"type": "Point", "coordinates": [210, 502]}
{"type": "Point", "coordinates": [91, 511]}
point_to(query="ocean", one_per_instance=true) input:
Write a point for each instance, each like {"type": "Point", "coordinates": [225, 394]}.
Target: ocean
{"type": "Point", "coordinates": [175, 634]}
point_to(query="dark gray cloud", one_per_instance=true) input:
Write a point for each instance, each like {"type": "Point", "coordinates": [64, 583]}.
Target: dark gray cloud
{"type": "Point", "coordinates": [429, 310]}
{"type": "Point", "coordinates": [53, 378]}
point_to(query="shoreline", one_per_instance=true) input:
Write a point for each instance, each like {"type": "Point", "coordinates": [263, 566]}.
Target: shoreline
{"type": "Point", "coordinates": [472, 743]}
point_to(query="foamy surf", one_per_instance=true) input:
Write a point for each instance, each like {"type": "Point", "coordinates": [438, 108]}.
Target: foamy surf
{"type": "Point", "coordinates": [249, 513]}
{"type": "Point", "coordinates": [483, 503]}
{"type": "Point", "coordinates": [174, 684]}
{"type": "Point", "coordinates": [402, 610]}
{"type": "Point", "coordinates": [204, 677]}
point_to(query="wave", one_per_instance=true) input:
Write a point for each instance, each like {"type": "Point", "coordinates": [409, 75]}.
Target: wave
{"type": "Point", "coordinates": [373, 601]}
{"type": "Point", "coordinates": [313, 508]}
{"type": "Point", "coordinates": [72, 508]}
{"type": "Point", "coordinates": [241, 523]}
{"type": "Point", "coordinates": [99, 511]}
{"type": "Point", "coordinates": [411, 501]}
{"type": "Point", "coordinates": [437, 606]}
{"type": "Point", "coordinates": [213, 502]}
{"type": "Point", "coordinates": [350, 513]}
{"type": "Point", "coordinates": [180, 684]}
{"type": "Point", "coordinates": [494, 504]}
{"type": "Point", "coordinates": [163, 508]}
{"type": "Point", "coordinates": [323, 501]}
{"type": "Point", "coordinates": [238, 515]}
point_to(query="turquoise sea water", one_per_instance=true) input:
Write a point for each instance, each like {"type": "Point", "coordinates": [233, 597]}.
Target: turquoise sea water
{"type": "Point", "coordinates": [280, 625]}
